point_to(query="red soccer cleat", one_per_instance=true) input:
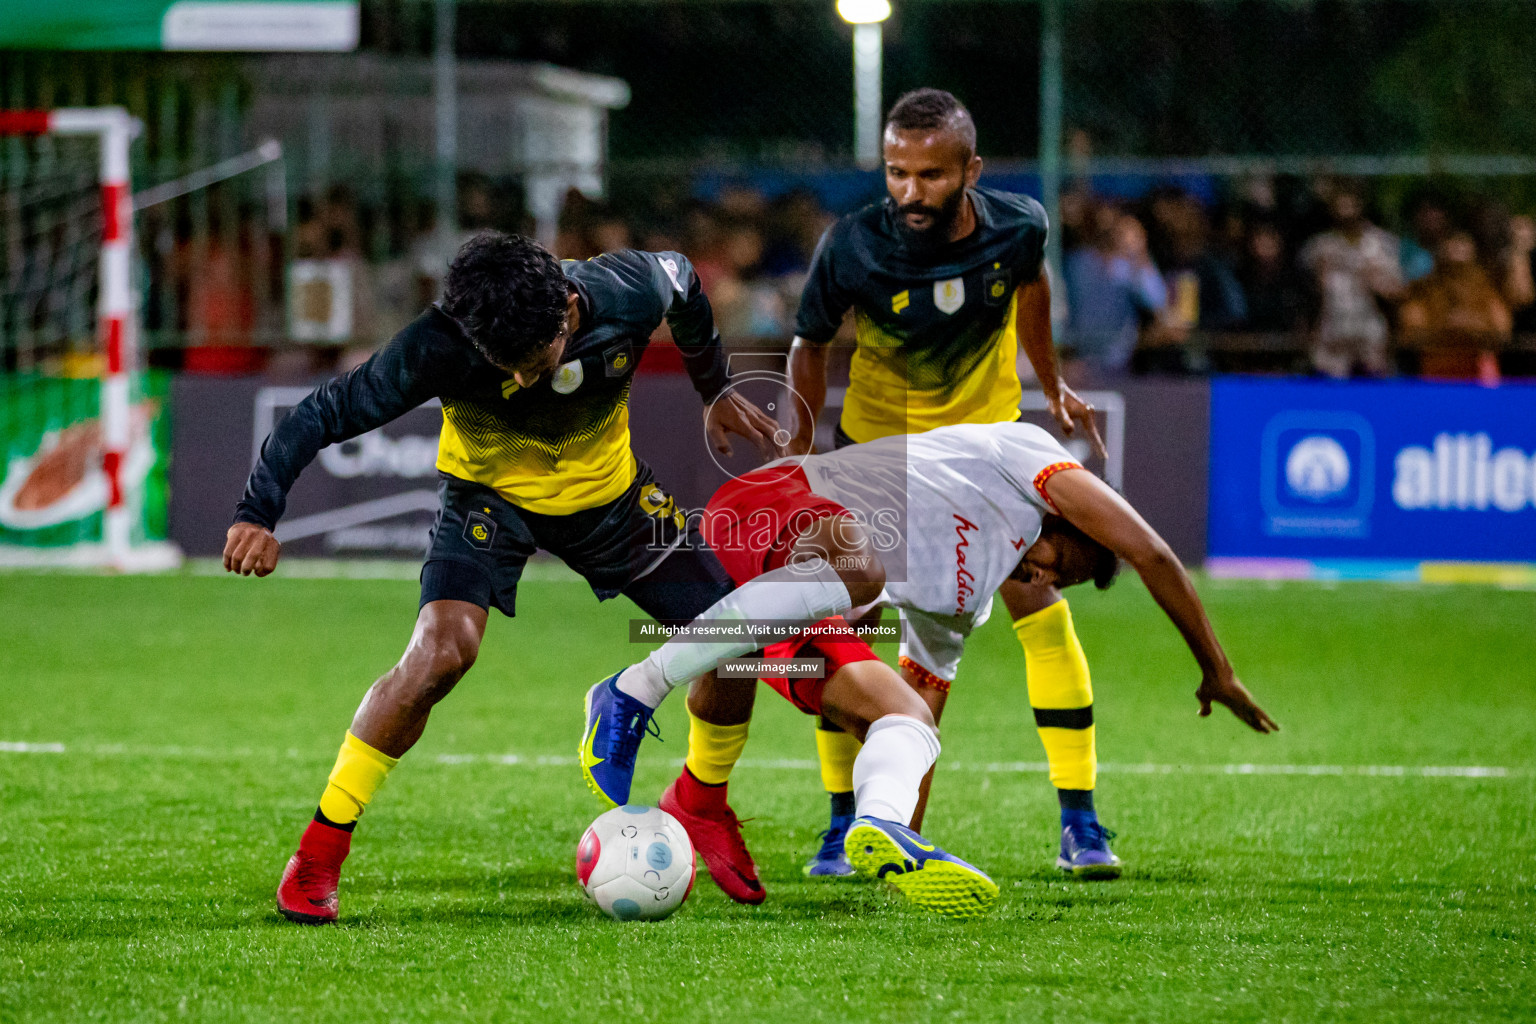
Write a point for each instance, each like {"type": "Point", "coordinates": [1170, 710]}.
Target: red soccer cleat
{"type": "Point", "coordinates": [307, 893]}
{"type": "Point", "coordinates": [716, 833]}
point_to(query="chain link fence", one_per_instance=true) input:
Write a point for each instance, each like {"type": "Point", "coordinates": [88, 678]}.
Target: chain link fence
{"type": "Point", "coordinates": [1222, 132]}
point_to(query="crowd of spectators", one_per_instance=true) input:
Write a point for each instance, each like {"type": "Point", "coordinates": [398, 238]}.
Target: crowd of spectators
{"type": "Point", "coordinates": [1285, 275]}
{"type": "Point", "coordinates": [751, 252]}
{"type": "Point", "coordinates": [1170, 282]}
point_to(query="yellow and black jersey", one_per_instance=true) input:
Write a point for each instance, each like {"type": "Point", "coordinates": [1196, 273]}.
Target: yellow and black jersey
{"type": "Point", "coordinates": [558, 447]}
{"type": "Point", "coordinates": [937, 332]}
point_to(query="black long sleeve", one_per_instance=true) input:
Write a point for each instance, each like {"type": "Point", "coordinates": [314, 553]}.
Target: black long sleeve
{"type": "Point", "coordinates": [403, 374]}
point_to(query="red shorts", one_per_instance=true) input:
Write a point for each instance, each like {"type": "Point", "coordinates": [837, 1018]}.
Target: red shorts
{"type": "Point", "coordinates": [751, 523]}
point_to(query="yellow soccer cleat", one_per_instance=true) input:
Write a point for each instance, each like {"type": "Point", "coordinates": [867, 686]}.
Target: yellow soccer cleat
{"type": "Point", "coordinates": [926, 875]}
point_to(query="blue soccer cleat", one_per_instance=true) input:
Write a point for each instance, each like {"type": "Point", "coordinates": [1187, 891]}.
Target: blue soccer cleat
{"type": "Point", "coordinates": [925, 874]}
{"type": "Point", "coordinates": [616, 723]}
{"type": "Point", "coordinates": [831, 861]}
{"type": "Point", "coordinates": [1085, 852]}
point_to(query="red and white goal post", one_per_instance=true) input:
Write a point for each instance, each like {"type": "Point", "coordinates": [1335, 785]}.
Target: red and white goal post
{"type": "Point", "coordinates": [107, 482]}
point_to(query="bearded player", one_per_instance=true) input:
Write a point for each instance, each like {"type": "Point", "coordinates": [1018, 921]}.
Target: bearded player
{"type": "Point", "coordinates": [945, 280]}
{"type": "Point", "coordinates": [970, 507]}
{"type": "Point", "coordinates": [532, 360]}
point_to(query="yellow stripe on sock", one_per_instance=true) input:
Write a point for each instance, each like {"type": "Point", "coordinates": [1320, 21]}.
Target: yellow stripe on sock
{"type": "Point", "coordinates": [360, 771]}
{"type": "Point", "coordinates": [1058, 680]}
{"type": "Point", "coordinates": [837, 751]}
{"type": "Point", "coordinates": [713, 750]}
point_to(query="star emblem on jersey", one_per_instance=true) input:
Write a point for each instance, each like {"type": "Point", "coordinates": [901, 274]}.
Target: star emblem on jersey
{"type": "Point", "coordinates": [949, 296]}
{"type": "Point", "coordinates": [901, 300]}
{"type": "Point", "coordinates": [568, 378]}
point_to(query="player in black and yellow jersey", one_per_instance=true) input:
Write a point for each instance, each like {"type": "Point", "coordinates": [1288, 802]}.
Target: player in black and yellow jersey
{"type": "Point", "coordinates": [532, 360]}
{"type": "Point", "coordinates": [945, 280]}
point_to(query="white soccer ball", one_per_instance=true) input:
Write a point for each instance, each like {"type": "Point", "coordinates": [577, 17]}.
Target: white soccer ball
{"type": "Point", "coordinates": [635, 863]}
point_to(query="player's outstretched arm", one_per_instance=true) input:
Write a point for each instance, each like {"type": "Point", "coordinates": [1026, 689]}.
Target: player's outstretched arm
{"type": "Point", "coordinates": [1093, 507]}
{"type": "Point", "coordinates": [1034, 320]}
{"type": "Point", "coordinates": [807, 392]}
{"type": "Point", "coordinates": [396, 379]}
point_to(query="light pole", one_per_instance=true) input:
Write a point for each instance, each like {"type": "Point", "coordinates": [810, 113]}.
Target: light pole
{"type": "Point", "coordinates": [865, 16]}
{"type": "Point", "coordinates": [445, 97]}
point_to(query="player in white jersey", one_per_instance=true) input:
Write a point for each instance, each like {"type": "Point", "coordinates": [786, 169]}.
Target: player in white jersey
{"type": "Point", "coordinates": [941, 520]}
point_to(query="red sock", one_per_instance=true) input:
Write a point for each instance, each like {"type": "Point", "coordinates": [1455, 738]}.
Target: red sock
{"type": "Point", "coordinates": [326, 843]}
{"type": "Point", "coordinates": [700, 796]}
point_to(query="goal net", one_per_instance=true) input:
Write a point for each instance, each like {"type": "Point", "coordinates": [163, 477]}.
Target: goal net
{"type": "Point", "coordinates": [82, 478]}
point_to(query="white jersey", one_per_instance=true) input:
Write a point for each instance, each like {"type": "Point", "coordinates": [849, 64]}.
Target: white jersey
{"type": "Point", "coordinates": [951, 513]}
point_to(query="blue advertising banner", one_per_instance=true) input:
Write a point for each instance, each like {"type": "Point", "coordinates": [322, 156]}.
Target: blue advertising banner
{"type": "Point", "coordinates": [1322, 478]}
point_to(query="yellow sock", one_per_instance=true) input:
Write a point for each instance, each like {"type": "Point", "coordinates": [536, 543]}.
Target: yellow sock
{"type": "Point", "coordinates": [1061, 694]}
{"type": "Point", "coordinates": [359, 772]}
{"type": "Point", "coordinates": [713, 750]}
{"type": "Point", "coordinates": [837, 751]}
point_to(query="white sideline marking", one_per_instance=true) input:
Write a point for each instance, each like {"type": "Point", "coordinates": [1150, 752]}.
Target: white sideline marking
{"type": "Point", "coordinates": [806, 764]}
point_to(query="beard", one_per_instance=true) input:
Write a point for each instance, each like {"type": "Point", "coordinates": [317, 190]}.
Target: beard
{"type": "Point", "coordinates": [942, 220]}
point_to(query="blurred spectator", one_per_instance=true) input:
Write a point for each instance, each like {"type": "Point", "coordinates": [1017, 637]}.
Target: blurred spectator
{"type": "Point", "coordinates": [746, 303]}
{"type": "Point", "coordinates": [1523, 266]}
{"type": "Point", "coordinates": [1112, 286]}
{"type": "Point", "coordinates": [589, 227]}
{"type": "Point", "coordinates": [1429, 222]}
{"type": "Point", "coordinates": [331, 296]}
{"type": "Point", "coordinates": [796, 221]}
{"type": "Point", "coordinates": [1455, 315]}
{"type": "Point", "coordinates": [1203, 292]}
{"type": "Point", "coordinates": [1356, 268]}
{"type": "Point", "coordinates": [1509, 259]}
{"type": "Point", "coordinates": [1276, 291]}
{"type": "Point", "coordinates": [221, 275]}
{"type": "Point", "coordinates": [1073, 226]}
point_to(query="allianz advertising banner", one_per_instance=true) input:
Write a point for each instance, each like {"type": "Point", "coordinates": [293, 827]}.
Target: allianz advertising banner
{"type": "Point", "coordinates": [1389, 479]}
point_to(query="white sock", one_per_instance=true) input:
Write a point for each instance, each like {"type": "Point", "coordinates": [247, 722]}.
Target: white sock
{"type": "Point", "coordinates": [805, 592]}
{"type": "Point", "coordinates": [898, 751]}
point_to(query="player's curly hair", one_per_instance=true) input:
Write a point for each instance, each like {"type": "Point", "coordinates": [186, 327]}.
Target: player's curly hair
{"type": "Point", "coordinates": [926, 110]}
{"type": "Point", "coordinates": [508, 295]}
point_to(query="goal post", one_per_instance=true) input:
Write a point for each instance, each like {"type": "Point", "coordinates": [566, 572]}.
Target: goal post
{"type": "Point", "coordinates": [95, 476]}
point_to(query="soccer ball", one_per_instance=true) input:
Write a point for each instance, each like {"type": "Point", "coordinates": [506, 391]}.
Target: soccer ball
{"type": "Point", "coordinates": [635, 863]}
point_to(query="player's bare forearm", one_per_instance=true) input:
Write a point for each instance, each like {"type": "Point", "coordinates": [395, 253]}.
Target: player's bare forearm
{"type": "Point", "coordinates": [1093, 507]}
{"type": "Point", "coordinates": [808, 392]}
{"type": "Point", "coordinates": [1034, 321]}
{"type": "Point", "coordinates": [1174, 592]}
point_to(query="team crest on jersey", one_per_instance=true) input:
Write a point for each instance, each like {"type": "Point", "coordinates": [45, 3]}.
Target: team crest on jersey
{"type": "Point", "coordinates": [509, 387]}
{"type": "Point", "coordinates": [949, 296]}
{"type": "Point", "coordinates": [901, 300]}
{"type": "Point", "coordinates": [994, 286]}
{"type": "Point", "coordinates": [568, 378]}
{"type": "Point", "coordinates": [618, 360]}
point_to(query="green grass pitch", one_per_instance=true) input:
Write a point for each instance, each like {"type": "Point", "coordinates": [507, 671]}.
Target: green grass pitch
{"type": "Point", "coordinates": [198, 717]}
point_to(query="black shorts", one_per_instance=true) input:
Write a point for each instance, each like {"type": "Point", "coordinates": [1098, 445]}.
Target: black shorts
{"type": "Point", "coordinates": [638, 545]}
